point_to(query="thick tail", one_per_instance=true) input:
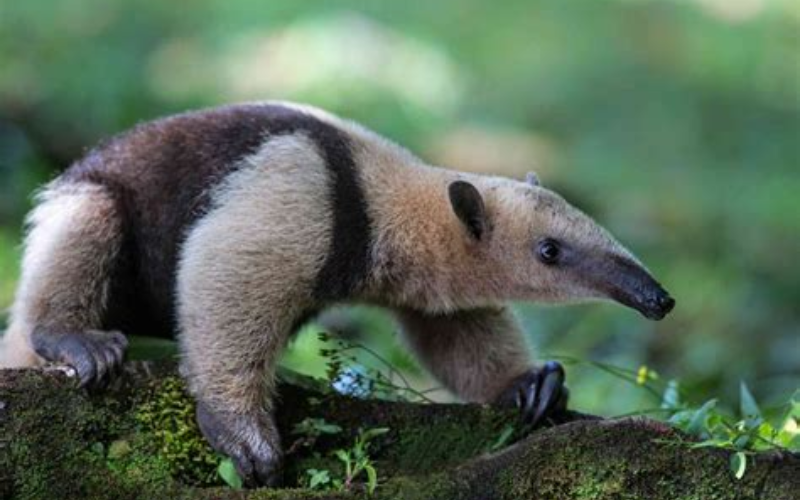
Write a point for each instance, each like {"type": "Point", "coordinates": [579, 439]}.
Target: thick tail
{"type": "Point", "coordinates": [74, 236]}
{"type": "Point", "coordinates": [15, 350]}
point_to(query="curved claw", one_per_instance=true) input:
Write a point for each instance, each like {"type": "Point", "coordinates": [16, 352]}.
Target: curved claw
{"type": "Point", "coordinates": [251, 441]}
{"type": "Point", "coordinates": [94, 355]}
{"type": "Point", "coordinates": [549, 391]}
{"type": "Point", "coordinates": [539, 393]}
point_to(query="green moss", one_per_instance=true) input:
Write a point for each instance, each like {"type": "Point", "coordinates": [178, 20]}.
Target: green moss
{"type": "Point", "coordinates": [591, 462]}
{"type": "Point", "coordinates": [66, 444]}
{"type": "Point", "coordinates": [47, 425]}
{"type": "Point", "coordinates": [430, 487]}
{"type": "Point", "coordinates": [434, 444]}
{"type": "Point", "coordinates": [168, 430]}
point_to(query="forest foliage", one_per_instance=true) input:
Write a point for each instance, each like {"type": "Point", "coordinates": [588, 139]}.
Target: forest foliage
{"type": "Point", "coordinates": [674, 123]}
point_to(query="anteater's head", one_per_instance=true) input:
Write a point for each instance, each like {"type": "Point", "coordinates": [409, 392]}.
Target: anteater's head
{"type": "Point", "coordinates": [544, 249]}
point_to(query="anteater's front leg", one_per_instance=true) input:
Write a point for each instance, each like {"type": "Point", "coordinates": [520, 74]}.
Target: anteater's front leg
{"type": "Point", "coordinates": [230, 344]}
{"type": "Point", "coordinates": [482, 357]}
{"type": "Point", "coordinates": [246, 277]}
{"type": "Point", "coordinates": [234, 320]}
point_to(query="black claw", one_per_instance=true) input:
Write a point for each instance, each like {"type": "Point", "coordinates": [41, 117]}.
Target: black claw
{"type": "Point", "coordinates": [267, 474]}
{"type": "Point", "coordinates": [549, 392]}
{"type": "Point", "coordinates": [539, 393]}
{"type": "Point", "coordinates": [112, 365]}
{"type": "Point", "coordinates": [101, 367]}
{"type": "Point", "coordinates": [531, 393]}
{"type": "Point", "coordinates": [251, 441]}
{"type": "Point", "coordinates": [95, 355]}
{"type": "Point", "coordinates": [84, 365]}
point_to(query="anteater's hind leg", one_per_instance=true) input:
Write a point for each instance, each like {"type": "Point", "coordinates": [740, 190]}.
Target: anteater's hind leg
{"type": "Point", "coordinates": [72, 246]}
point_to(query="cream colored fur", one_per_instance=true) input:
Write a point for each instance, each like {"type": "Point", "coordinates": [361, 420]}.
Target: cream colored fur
{"type": "Point", "coordinates": [248, 269]}
{"type": "Point", "coordinates": [476, 354]}
{"type": "Point", "coordinates": [448, 290]}
{"type": "Point", "coordinates": [74, 235]}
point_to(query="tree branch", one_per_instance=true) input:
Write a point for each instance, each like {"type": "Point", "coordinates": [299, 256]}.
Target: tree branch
{"type": "Point", "coordinates": [58, 442]}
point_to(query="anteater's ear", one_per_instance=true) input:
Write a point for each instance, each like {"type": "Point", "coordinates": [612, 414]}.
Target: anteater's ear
{"type": "Point", "coordinates": [468, 206]}
{"type": "Point", "coordinates": [532, 179]}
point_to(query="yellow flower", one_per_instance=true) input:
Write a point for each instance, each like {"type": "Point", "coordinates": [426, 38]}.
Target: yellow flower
{"type": "Point", "coordinates": [642, 375]}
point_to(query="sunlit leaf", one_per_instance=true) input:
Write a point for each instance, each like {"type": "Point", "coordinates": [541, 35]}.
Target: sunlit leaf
{"type": "Point", "coordinates": [373, 433]}
{"type": "Point", "coordinates": [318, 478]}
{"type": "Point", "coordinates": [748, 405]}
{"type": "Point", "coordinates": [504, 437]}
{"type": "Point", "coordinates": [342, 455]}
{"type": "Point", "coordinates": [741, 442]}
{"type": "Point", "coordinates": [372, 478]}
{"type": "Point", "coordinates": [227, 471]}
{"type": "Point", "coordinates": [698, 422]}
{"type": "Point", "coordinates": [738, 464]}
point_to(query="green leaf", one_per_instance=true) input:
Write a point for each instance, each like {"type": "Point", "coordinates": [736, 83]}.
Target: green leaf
{"type": "Point", "coordinates": [326, 428]}
{"type": "Point", "coordinates": [752, 423]}
{"type": "Point", "coordinates": [741, 442]}
{"type": "Point", "coordinates": [315, 427]}
{"type": "Point", "coordinates": [227, 471]}
{"type": "Point", "coordinates": [342, 455]}
{"type": "Point", "coordinates": [373, 433]}
{"type": "Point", "coordinates": [738, 464]}
{"type": "Point", "coordinates": [710, 443]}
{"type": "Point", "coordinates": [318, 478]}
{"type": "Point", "coordinates": [681, 419]}
{"type": "Point", "coordinates": [505, 435]}
{"type": "Point", "coordinates": [748, 405]}
{"type": "Point", "coordinates": [372, 478]}
{"type": "Point", "coordinates": [698, 422]}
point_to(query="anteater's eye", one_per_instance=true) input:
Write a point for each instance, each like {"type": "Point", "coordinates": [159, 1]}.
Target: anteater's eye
{"type": "Point", "coordinates": [548, 251]}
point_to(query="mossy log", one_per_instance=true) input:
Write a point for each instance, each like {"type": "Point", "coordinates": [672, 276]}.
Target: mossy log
{"type": "Point", "coordinates": [59, 442]}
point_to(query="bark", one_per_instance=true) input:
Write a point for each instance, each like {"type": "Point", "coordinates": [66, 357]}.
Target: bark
{"type": "Point", "coordinates": [60, 442]}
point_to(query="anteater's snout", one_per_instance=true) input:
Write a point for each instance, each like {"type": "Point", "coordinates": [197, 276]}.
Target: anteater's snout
{"type": "Point", "coordinates": [659, 304]}
{"type": "Point", "coordinates": [632, 285]}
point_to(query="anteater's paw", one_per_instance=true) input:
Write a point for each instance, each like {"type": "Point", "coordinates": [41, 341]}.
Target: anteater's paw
{"type": "Point", "coordinates": [94, 355]}
{"type": "Point", "coordinates": [251, 441]}
{"type": "Point", "coordinates": [539, 393]}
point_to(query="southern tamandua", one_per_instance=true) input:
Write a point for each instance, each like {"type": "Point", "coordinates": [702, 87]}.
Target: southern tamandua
{"type": "Point", "coordinates": [231, 226]}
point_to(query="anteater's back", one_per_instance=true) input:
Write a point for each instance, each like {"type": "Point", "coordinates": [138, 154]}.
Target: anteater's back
{"type": "Point", "coordinates": [132, 200]}
{"type": "Point", "coordinates": [161, 174]}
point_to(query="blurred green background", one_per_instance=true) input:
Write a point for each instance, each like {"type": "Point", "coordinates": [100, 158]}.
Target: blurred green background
{"type": "Point", "coordinates": [675, 123]}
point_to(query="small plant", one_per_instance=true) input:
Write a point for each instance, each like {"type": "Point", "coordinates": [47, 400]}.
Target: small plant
{"type": "Point", "coordinates": [356, 461]}
{"type": "Point", "coordinates": [350, 377]}
{"type": "Point", "coordinates": [319, 479]}
{"type": "Point", "coordinates": [745, 434]}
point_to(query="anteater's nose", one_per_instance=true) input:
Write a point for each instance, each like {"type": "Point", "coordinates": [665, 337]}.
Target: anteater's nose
{"type": "Point", "coordinates": [661, 304]}
{"type": "Point", "coordinates": [666, 303]}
